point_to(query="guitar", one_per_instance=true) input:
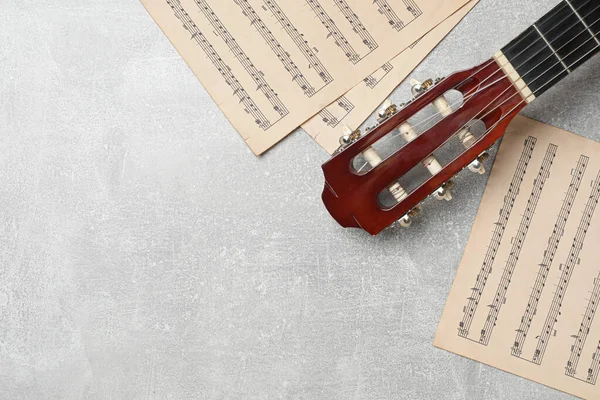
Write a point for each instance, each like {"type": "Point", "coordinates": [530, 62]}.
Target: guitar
{"type": "Point", "coordinates": [369, 181]}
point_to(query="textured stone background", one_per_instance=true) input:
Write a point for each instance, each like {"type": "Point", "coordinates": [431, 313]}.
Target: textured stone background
{"type": "Point", "coordinates": [145, 253]}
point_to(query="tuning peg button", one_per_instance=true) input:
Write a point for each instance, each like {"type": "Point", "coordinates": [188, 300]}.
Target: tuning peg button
{"type": "Point", "coordinates": [477, 165]}
{"type": "Point", "coordinates": [445, 192]}
{"type": "Point", "coordinates": [386, 111]}
{"type": "Point", "coordinates": [418, 88]}
{"type": "Point", "coordinates": [350, 136]}
{"type": "Point", "coordinates": [382, 111]}
{"type": "Point", "coordinates": [407, 220]}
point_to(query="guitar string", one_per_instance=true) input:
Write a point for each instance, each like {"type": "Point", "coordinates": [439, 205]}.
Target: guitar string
{"type": "Point", "coordinates": [466, 98]}
{"type": "Point", "coordinates": [540, 39]}
{"type": "Point", "coordinates": [522, 101]}
{"type": "Point", "coordinates": [518, 94]}
{"type": "Point", "coordinates": [539, 89]}
{"type": "Point", "coordinates": [513, 45]}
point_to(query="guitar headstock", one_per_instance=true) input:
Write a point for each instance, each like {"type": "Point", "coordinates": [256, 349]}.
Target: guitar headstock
{"type": "Point", "coordinates": [371, 181]}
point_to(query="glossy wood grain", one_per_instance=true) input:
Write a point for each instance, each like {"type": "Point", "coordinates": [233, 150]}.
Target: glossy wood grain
{"type": "Point", "coordinates": [353, 200]}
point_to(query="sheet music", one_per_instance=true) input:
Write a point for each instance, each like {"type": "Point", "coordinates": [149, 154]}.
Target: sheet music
{"type": "Point", "coordinates": [527, 290]}
{"type": "Point", "coordinates": [358, 104]}
{"type": "Point", "coordinates": [271, 65]}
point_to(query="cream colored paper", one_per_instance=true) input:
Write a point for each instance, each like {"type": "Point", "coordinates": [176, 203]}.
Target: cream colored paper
{"type": "Point", "coordinates": [270, 65]}
{"type": "Point", "coordinates": [358, 104]}
{"type": "Point", "coordinates": [526, 294]}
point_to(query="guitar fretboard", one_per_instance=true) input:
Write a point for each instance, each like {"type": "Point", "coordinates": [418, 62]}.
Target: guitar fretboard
{"type": "Point", "coordinates": [556, 45]}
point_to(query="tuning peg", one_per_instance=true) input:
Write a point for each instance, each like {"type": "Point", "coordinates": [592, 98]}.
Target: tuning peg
{"type": "Point", "coordinates": [477, 165]}
{"type": "Point", "coordinates": [418, 88]}
{"type": "Point", "coordinates": [407, 220]}
{"type": "Point", "coordinates": [383, 110]}
{"type": "Point", "coordinates": [372, 157]}
{"type": "Point", "coordinates": [431, 163]}
{"type": "Point", "coordinates": [345, 140]}
{"type": "Point", "coordinates": [477, 168]}
{"type": "Point", "coordinates": [387, 110]}
{"type": "Point", "coordinates": [445, 192]}
{"type": "Point", "coordinates": [350, 136]}
{"type": "Point", "coordinates": [445, 109]}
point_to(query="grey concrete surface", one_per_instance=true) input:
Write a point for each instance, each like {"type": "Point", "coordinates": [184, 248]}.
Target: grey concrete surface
{"type": "Point", "coordinates": [145, 253]}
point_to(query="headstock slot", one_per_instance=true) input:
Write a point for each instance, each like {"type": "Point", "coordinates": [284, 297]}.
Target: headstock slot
{"type": "Point", "coordinates": [419, 175]}
{"type": "Point", "coordinates": [424, 119]}
{"type": "Point", "coordinates": [354, 200]}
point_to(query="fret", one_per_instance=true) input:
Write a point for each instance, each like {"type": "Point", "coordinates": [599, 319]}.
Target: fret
{"type": "Point", "coordinates": [590, 14]}
{"type": "Point", "coordinates": [535, 62]}
{"type": "Point", "coordinates": [576, 12]}
{"type": "Point", "coordinates": [553, 47]}
{"type": "Point", "coordinates": [569, 35]}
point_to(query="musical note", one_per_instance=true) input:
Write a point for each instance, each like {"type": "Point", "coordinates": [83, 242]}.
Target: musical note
{"type": "Point", "coordinates": [373, 80]}
{"type": "Point", "coordinates": [331, 115]}
{"type": "Point", "coordinates": [584, 330]}
{"type": "Point", "coordinates": [299, 40]}
{"type": "Point", "coordinates": [594, 368]}
{"type": "Point", "coordinates": [517, 245]}
{"type": "Point", "coordinates": [567, 272]}
{"type": "Point", "coordinates": [393, 19]}
{"type": "Point", "coordinates": [196, 34]}
{"type": "Point", "coordinates": [413, 8]}
{"type": "Point", "coordinates": [257, 76]}
{"type": "Point", "coordinates": [357, 25]}
{"type": "Point", "coordinates": [345, 104]}
{"type": "Point", "coordinates": [286, 60]}
{"type": "Point", "coordinates": [499, 229]}
{"type": "Point", "coordinates": [328, 118]}
{"type": "Point", "coordinates": [334, 31]}
{"type": "Point", "coordinates": [340, 40]}
{"type": "Point", "coordinates": [548, 256]}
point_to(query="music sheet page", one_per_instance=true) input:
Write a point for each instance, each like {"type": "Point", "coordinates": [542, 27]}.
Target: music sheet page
{"type": "Point", "coordinates": [355, 107]}
{"type": "Point", "coordinates": [526, 294]}
{"type": "Point", "coordinates": [271, 65]}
